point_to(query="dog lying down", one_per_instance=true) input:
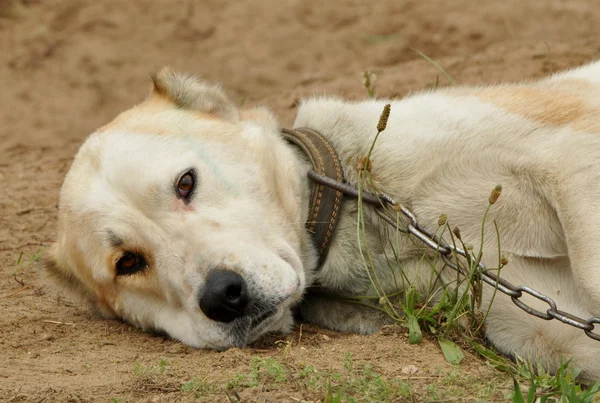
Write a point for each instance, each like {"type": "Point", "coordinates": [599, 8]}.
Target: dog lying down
{"type": "Point", "coordinates": [187, 215]}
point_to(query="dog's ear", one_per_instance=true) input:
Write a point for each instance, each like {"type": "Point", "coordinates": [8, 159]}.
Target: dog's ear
{"type": "Point", "coordinates": [60, 278]}
{"type": "Point", "coordinates": [188, 92]}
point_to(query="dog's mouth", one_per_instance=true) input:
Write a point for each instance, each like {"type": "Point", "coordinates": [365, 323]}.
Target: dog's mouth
{"type": "Point", "coordinates": [249, 328]}
{"type": "Point", "coordinates": [260, 318]}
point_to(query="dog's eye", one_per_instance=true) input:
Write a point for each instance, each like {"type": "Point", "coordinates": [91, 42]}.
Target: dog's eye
{"type": "Point", "coordinates": [130, 263]}
{"type": "Point", "coordinates": [186, 185]}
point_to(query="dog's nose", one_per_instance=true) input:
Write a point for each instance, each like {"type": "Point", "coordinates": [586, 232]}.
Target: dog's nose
{"type": "Point", "coordinates": [225, 297]}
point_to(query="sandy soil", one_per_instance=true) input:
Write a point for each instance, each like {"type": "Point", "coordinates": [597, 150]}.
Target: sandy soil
{"type": "Point", "coordinates": [68, 66]}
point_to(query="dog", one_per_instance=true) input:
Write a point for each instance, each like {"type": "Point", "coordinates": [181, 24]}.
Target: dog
{"type": "Point", "coordinates": [186, 215]}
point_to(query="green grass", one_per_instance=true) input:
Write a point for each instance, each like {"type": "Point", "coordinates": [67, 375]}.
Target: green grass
{"type": "Point", "coordinates": [197, 387]}
{"type": "Point", "coordinates": [141, 370]}
{"type": "Point", "coordinates": [262, 371]}
{"type": "Point", "coordinates": [361, 383]}
{"type": "Point", "coordinates": [343, 380]}
{"type": "Point", "coordinates": [532, 383]}
{"type": "Point", "coordinates": [23, 264]}
{"type": "Point", "coordinates": [357, 382]}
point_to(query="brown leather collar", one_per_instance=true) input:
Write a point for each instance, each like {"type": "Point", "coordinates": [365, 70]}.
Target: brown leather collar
{"type": "Point", "coordinates": [325, 201]}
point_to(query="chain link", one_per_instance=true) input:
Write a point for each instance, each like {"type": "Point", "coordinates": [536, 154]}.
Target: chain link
{"type": "Point", "coordinates": [446, 250]}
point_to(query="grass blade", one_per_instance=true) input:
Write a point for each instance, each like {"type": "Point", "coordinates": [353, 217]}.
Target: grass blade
{"type": "Point", "coordinates": [437, 66]}
{"type": "Point", "coordinates": [451, 351]}
{"type": "Point", "coordinates": [517, 396]}
{"type": "Point", "coordinates": [414, 330]}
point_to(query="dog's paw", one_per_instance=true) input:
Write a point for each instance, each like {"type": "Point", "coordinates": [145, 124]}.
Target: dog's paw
{"type": "Point", "coordinates": [342, 316]}
{"type": "Point", "coordinates": [286, 322]}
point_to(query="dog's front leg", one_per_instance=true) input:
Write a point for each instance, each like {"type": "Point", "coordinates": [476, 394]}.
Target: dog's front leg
{"type": "Point", "coordinates": [331, 313]}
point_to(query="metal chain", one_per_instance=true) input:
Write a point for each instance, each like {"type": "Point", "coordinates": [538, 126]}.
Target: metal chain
{"type": "Point", "coordinates": [446, 250]}
{"type": "Point", "coordinates": [514, 292]}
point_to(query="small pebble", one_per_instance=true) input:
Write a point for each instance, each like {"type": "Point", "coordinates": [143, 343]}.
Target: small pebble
{"type": "Point", "coordinates": [410, 370]}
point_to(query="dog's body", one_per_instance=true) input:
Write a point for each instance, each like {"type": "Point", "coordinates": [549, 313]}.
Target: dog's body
{"type": "Point", "coordinates": [442, 152]}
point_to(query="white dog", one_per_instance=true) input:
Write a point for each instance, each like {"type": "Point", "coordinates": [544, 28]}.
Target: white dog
{"type": "Point", "coordinates": [187, 215]}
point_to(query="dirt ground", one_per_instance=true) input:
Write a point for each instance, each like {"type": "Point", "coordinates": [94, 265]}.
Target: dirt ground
{"type": "Point", "coordinates": [68, 66]}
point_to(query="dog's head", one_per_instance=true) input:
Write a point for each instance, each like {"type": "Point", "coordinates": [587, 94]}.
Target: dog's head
{"type": "Point", "coordinates": [184, 215]}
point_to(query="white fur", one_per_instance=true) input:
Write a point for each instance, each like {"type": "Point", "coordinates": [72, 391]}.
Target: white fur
{"type": "Point", "coordinates": [442, 152]}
